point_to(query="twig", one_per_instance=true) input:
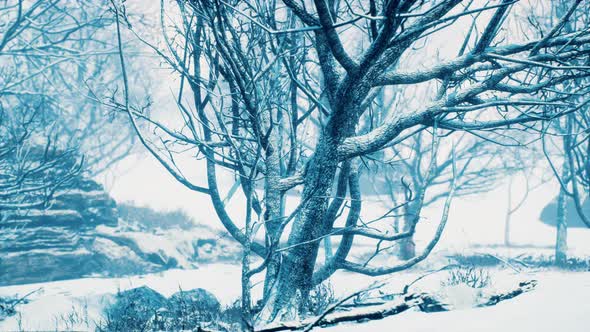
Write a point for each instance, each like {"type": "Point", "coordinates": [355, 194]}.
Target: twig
{"type": "Point", "coordinates": [339, 303]}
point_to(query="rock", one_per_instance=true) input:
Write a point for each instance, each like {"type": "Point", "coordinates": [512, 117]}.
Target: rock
{"type": "Point", "coordinates": [215, 249]}
{"type": "Point", "coordinates": [145, 309]}
{"type": "Point", "coordinates": [133, 310]}
{"type": "Point", "coordinates": [142, 296]}
{"type": "Point", "coordinates": [61, 242]}
{"type": "Point", "coordinates": [190, 309]}
{"type": "Point", "coordinates": [78, 234]}
{"type": "Point", "coordinates": [198, 298]}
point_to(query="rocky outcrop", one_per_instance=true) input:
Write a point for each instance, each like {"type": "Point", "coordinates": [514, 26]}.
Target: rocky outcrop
{"type": "Point", "coordinates": [59, 241]}
{"type": "Point", "coordinates": [78, 234]}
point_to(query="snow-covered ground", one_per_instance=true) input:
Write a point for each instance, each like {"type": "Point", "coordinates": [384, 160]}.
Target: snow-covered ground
{"type": "Point", "coordinates": [559, 302]}
{"type": "Point", "coordinates": [77, 304]}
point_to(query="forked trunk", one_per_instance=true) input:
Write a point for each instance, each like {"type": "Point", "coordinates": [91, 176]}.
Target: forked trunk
{"type": "Point", "coordinates": [287, 296]}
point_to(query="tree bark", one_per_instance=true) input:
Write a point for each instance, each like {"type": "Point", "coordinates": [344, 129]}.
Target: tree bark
{"type": "Point", "coordinates": [508, 218]}
{"type": "Point", "coordinates": [295, 276]}
{"type": "Point", "coordinates": [407, 249]}
{"type": "Point", "coordinates": [273, 212]}
{"type": "Point", "coordinates": [407, 246]}
{"type": "Point", "coordinates": [561, 230]}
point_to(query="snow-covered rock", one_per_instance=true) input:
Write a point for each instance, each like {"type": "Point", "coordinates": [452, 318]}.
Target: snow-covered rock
{"type": "Point", "coordinates": [81, 234]}
{"type": "Point", "coordinates": [61, 241]}
{"type": "Point", "coordinates": [194, 298]}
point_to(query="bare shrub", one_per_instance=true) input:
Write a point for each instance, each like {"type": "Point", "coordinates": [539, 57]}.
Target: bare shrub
{"type": "Point", "coordinates": [72, 320]}
{"type": "Point", "coordinates": [142, 309]}
{"type": "Point", "coordinates": [133, 310]}
{"type": "Point", "coordinates": [471, 276]}
{"type": "Point", "coordinates": [320, 298]}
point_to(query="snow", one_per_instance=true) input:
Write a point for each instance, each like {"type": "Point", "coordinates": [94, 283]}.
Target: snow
{"type": "Point", "coordinates": [559, 303]}
{"type": "Point", "coordinates": [51, 307]}
{"type": "Point", "coordinates": [56, 213]}
{"type": "Point", "coordinates": [176, 243]}
{"type": "Point", "coordinates": [173, 243]}
{"type": "Point", "coordinates": [69, 192]}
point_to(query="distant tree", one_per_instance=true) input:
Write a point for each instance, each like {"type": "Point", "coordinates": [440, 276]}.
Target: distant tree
{"type": "Point", "coordinates": [528, 163]}
{"type": "Point", "coordinates": [276, 93]}
{"type": "Point", "coordinates": [565, 140]}
{"type": "Point", "coordinates": [480, 166]}
{"type": "Point", "coordinates": [569, 148]}
{"type": "Point", "coordinates": [409, 172]}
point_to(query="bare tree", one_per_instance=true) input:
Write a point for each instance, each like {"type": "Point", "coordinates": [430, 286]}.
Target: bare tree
{"type": "Point", "coordinates": [532, 182]}
{"type": "Point", "coordinates": [275, 92]}
{"type": "Point", "coordinates": [32, 167]}
{"type": "Point", "coordinates": [480, 167]}
{"type": "Point", "coordinates": [55, 57]}
{"type": "Point", "coordinates": [565, 140]}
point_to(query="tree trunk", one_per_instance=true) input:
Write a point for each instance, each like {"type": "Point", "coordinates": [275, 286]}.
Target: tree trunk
{"type": "Point", "coordinates": [508, 216]}
{"type": "Point", "coordinates": [561, 225]}
{"type": "Point", "coordinates": [561, 233]}
{"type": "Point", "coordinates": [561, 236]}
{"type": "Point", "coordinates": [273, 198]}
{"type": "Point", "coordinates": [295, 276]}
{"type": "Point", "coordinates": [407, 246]}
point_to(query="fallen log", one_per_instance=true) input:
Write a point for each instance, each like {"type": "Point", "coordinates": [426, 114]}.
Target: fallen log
{"type": "Point", "coordinates": [423, 301]}
{"type": "Point", "coordinates": [365, 313]}
{"type": "Point", "coordinates": [523, 287]}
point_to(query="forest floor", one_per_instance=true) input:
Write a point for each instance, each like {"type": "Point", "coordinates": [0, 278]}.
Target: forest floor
{"type": "Point", "coordinates": [558, 303]}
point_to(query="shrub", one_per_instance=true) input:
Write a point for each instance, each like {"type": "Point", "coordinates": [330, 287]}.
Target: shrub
{"type": "Point", "coordinates": [470, 276]}
{"type": "Point", "coordinates": [72, 320]}
{"type": "Point", "coordinates": [133, 310]}
{"type": "Point", "coordinates": [143, 309]}
{"type": "Point", "coordinates": [319, 299]}
{"type": "Point", "coordinates": [476, 259]}
{"type": "Point", "coordinates": [8, 304]}
{"type": "Point", "coordinates": [7, 307]}
{"type": "Point", "coordinates": [233, 314]}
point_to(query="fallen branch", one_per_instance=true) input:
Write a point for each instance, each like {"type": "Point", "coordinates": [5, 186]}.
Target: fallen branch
{"type": "Point", "coordinates": [366, 313]}
{"type": "Point", "coordinates": [523, 287]}
{"type": "Point", "coordinates": [8, 306]}
{"type": "Point", "coordinates": [423, 301]}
